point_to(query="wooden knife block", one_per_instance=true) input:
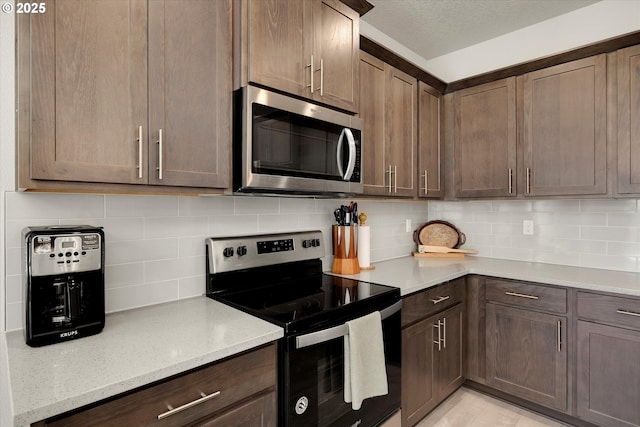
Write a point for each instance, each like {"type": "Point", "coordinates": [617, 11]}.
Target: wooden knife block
{"type": "Point", "coordinates": [345, 249]}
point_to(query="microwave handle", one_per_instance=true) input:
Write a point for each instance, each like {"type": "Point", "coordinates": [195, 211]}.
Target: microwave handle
{"type": "Point", "coordinates": [346, 176]}
{"type": "Point", "coordinates": [338, 331]}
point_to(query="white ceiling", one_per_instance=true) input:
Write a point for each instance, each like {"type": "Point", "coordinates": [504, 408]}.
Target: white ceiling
{"type": "Point", "coordinates": [432, 28]}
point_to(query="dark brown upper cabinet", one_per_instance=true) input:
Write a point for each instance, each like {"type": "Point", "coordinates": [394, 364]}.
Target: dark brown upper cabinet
{"type": "Point", "coordinates": [485, 140]}
{"type": "Point", "coordinates": [430, 180]}
{"type": "Point", "coordinates": [628, 62]}
{"type": "Point", "coordinates": [564, 129]}
{"type": "Point", "coordinates": [129, 92]}
{"type": "Point", "coordinates": [308, 48]}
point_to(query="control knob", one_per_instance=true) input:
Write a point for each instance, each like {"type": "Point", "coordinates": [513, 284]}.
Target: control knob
{"type": "Point", "coordinates": [242, 250]}
{"type": "Point", "coordinates": [227, 252]}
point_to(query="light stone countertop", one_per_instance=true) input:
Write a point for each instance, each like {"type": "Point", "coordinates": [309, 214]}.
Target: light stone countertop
{"type": "Point", "coordinates": [136, 347]}
{"type": "Point", "coordinates": [412, 274]}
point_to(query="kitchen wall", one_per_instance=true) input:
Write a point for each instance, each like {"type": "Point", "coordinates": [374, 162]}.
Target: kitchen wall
{"type": "Point", "coordinates": [155, 244]}
{"type": "Point", "coordinates": [587, 233]}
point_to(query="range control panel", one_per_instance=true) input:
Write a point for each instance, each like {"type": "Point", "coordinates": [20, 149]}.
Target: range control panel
{"type": "Point", "coordinates": [234, 253]}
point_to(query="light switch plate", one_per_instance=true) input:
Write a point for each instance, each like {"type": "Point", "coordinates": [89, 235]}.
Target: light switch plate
{"type": "Point", "coordinates": [527, 227]}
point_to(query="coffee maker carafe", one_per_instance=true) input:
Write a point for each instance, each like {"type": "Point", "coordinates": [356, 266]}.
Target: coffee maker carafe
{"type": "Point", "coordinates": [63, 283]}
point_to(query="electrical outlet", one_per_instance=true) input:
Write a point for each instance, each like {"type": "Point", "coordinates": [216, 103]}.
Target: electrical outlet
{"type": "Point", "coordinates": [407, 226]}
{"type": "Point", "coordinates": [527, 227]}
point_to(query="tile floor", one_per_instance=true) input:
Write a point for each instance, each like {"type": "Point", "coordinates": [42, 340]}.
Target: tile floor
{"type": "Point", "coordinates": [469, 408]}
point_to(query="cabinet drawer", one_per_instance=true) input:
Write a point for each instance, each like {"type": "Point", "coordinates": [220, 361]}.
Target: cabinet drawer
{"type": "Point", "coordinates": [423, 304]}
{"type": "Point", "coordinates": [235, 379]}
{"type": "Point", "coordinates": [528, 295]}
{"type": "Point", "coordinates": [622, 311]}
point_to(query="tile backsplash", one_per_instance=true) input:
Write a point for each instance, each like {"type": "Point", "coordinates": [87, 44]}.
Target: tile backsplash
{"type": "Point", "coordinates": [155, 244]}
{"type": "Point", "coordinates": [588, 233]}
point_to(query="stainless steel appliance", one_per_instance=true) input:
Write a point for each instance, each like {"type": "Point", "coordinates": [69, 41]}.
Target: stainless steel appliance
{"type": "Point", "coordinates": [278, 277]}
{"type": "Point", "coordinates": [286, 145]}
{"type": "Point", "coordinates": [63, 283]}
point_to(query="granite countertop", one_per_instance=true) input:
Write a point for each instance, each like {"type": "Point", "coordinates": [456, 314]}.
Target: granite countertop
{"type": "Point", "coordinates": [140, 346]}
{"type": "Point", "coordinates": [412, 274]}
{"type": "Point", "coordinates": [136, 347]}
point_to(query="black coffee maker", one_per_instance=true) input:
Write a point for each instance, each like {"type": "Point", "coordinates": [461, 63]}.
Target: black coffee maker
{"type": "Point", "coordinates": [63, 283]}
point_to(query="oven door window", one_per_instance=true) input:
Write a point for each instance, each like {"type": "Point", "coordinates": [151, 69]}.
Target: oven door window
{"type": "Point", "coordinates": [288, 144]}
{"type": "Point", "coordinates": [316, 384]}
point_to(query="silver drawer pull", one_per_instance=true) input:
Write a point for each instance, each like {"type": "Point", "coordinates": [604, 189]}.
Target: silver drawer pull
{"type": "Point", "coordinates": [172, 411]}
{"type": "Point", "coordinates": [515, 294]}
{"type": "Point", "coordinates": [628, 313]}
{"type": "Point", "coordinates": [440, 299]}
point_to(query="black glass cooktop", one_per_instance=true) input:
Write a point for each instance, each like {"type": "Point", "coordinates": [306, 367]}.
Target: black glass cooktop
{"type": "Point", "coordinates": [301, 304]}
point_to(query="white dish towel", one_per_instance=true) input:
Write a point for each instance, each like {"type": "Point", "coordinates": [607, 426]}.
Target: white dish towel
{"type": "Point", "coordinates": [365, 373]}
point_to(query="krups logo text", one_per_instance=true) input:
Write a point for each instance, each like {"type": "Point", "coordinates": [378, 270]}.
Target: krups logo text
{"type": "Point", "coordinates": [69, 334]}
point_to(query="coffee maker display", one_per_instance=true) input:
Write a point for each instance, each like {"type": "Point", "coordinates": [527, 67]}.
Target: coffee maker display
{"type": "Point", "coordinates": [63, 283]}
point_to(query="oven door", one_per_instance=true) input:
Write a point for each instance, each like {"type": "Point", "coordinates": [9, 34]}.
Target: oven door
{"type": "Point", "coordinates": [290, 145]}
{"type": "Point", "coordinates": [313, 389]}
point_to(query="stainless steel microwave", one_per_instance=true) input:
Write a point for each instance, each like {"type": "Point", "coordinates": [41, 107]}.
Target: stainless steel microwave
{"type": "Point", "coordinates": [286, 145]}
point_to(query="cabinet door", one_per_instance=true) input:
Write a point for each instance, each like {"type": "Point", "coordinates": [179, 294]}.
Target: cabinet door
{"type": "Point", "coordinates": [565, 129]}
{"type": "Point", "coordinates": [190, 92]}
{"type": "Point", "coordinates": [449, 360]}
{"type": "Point", "coordinates": [608, 375]}
{"type": "Point", "coordinates": [337, 43]}
{"type": "Point", "coordinates": [258, 412]}
{"type": "Point", "coordinates": [485, 140]}
{"type": "Point", "coordinates": [372, 96]}
{"type": "Point", "coordinates": [279, 44]}
{"type": "Point", "coordinates": [88, 91]}
{"type": "Point", "coordinates": [419, 343]}
{"type": "Point", "coordinates": [628, 113]}
{"type": "Point", "coordinates": [429, 150]}
{"type": "Point", "coordinates": [401, 131]}
{"type": "Point", "coordinates": [526, 355]}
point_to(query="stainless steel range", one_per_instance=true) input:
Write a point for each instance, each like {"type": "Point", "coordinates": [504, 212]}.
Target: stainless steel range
{"type": "Point", "coordinates": [278, 277]}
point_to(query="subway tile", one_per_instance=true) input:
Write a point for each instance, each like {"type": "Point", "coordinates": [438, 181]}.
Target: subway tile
{"type": "Point", "coordinates": [141, 206]}
{"type": "Point", "coordinates": [278, 223]}
{"type": "Point", "coordinates": [206, 206]}
{"type": "Point", "coordinates": [556, 206]}
{"type": "Point", "coordinates": [116, 229]}
{"type": "Point", "coordinates": [22, 206]}
{"type": "Point", "coordinates": [554, 231]}
{"type": "Point", "coordinates": [221, 226]}
{"type": "Point", "coordinates": [13, 259]}
{"type": "Point", "coordinates": [14, 316]}
{"type": "Point", "coordinates": [492, 217]}
{"type": "Point", "coordinates": [517, 254]}
{"type": "Point", "coordinates": [625, 249]}
{"type": "Point", "coordinates": [13, 229]}
{"type": "Point", "coordinates": [256, 205]}
{"type": "Point", "coordinates": [192, 286]}
{"type": "Point", "coordinates": [159, 228]}
{"type": "Point", "coordinates": [593, 219]}
{"type": "Point", "coordinates": [14, 291]}
{"type": "Point", "coordinates": [156, 271]}
{"type": "Point", "coordinates": [581, 246]}
{"type": "Point", "coordinates": [618, 234]}
{"type": "Point", "coordinates": [298, 205]}
{"type": "Point", "coordinates": [512, 206]}
{"type": "Point", "coordinates": [191, 246]}
{"type": "Point", "coordinates": [623, 219]}
{"type": "Point", "coordinates": [129, 297]}
{"type": "Point", "coordinates": [117, 276]}
{"type": "Point", "coordinates": [607, 205]}
{"type": "Point", "coordinates": [140, 250]}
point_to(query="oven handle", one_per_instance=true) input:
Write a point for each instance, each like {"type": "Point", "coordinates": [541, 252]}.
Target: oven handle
{"type": "Point", "coordinates": [325, 335]}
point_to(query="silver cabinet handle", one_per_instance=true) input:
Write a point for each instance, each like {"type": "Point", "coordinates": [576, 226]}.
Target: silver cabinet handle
{"type": "Point", "coordinates": [395, 178]}
{"type": "Point", "coordinates": [426, 182]}
{"type": "Point", "coordinates": [440, 299]}
{"type": "Point", "coordinates": [311, 71]}
{"type": "Point", "coordinates": [515, 294]}
{"type": "Point", "coordinates": [628, 313]}
{"type": "Point", "coordinates": [389, 172]}
{"type": "Point", "coordinates": [321, 77]}
{"type": "Point", "coordinates": [528, 190]}
{"type": "Point", "coordinates": [559, 336]}
{"type": "Point", "coordinates": [172, 411]}
{"type": "Point", "coordinates": [159, 168]}
{"type": "Point", "coordinates": [439, 340]}
{"type": "Point", "coordinates": [444, 332]}
{"type": "Point", "coordinates": [510, 181]}
{"type": "Point", "coordinates": [139, 152]}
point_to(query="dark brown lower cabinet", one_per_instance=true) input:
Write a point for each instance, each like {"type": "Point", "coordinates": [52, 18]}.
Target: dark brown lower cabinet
{"type": "Point", "coordinates": [239, 391]}
{"type": "Point", "coordinates": [527, 355]}
{"type": "Point", "coordinates": [432, 362]}
{"type": "Point", "coordinates": [608, 375]}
